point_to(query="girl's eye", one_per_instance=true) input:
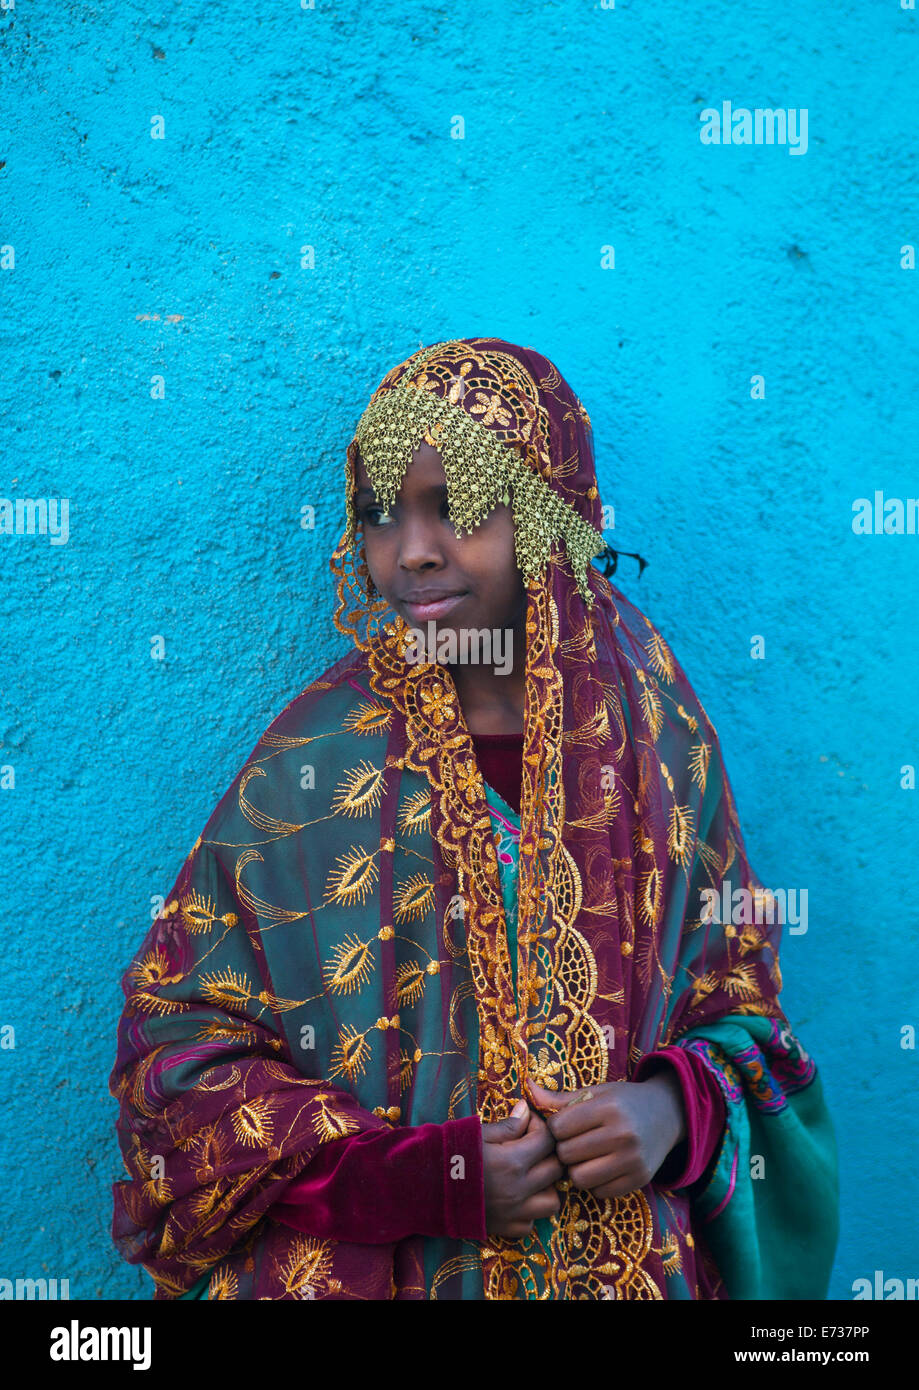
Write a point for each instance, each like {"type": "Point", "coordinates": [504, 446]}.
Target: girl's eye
{"type": "Point", "coordinates": [371, 514]}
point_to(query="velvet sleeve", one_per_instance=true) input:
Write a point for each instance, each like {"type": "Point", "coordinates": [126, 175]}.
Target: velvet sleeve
{"type": "Point", "coordinates": [704, 1108]}
{"type": "Point", "coordinates": [383, 1186]}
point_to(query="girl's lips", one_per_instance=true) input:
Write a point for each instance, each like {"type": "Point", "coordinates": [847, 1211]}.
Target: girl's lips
{"type": "Point", "coordinates": [436, 609]}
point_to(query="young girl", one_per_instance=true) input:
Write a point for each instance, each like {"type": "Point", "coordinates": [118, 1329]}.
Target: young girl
{"type": "Point", "coordinates": [445, 1002]}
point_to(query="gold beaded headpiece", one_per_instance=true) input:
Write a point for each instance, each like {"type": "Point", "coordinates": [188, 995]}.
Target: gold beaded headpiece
{"type": "Point", "coordinates": [480, 463]}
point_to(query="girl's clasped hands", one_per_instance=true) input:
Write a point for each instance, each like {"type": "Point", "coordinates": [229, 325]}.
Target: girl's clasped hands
{"type": "Point", "coordinates": [609, 1139]}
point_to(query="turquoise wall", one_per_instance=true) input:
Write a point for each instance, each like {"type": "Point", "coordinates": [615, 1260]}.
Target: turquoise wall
{"type": "Point", "coordinates": [136, 259]}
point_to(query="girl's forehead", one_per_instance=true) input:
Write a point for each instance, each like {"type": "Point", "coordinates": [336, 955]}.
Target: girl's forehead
{"type": "Point", "coordinates": [425, 467]}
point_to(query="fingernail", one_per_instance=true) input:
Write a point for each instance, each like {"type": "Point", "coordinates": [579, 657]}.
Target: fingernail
{"type": "Point", "coordinates": [520, 1109]}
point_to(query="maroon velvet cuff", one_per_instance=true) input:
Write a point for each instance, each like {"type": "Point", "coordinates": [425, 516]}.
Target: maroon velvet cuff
{"type": "Point", "coordinates": [705, 1113]}
{"type": "Point", "coordinates": [385, 1185]}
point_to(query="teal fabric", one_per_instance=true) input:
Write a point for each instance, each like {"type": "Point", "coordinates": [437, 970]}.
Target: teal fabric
{"type": "Point", "coordinates": [769, 1212]}
{"type": "Point", "coordinates": [198, 1290]}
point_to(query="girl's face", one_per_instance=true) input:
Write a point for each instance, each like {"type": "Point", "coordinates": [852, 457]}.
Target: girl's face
{"type": "Point", "coordinates": [414, 555]}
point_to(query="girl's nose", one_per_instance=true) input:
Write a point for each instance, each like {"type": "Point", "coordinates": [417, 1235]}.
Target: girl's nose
{"type": "Point", "coordinates": [418, 544]}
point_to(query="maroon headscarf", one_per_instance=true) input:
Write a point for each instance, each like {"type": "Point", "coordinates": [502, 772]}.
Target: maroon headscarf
{"type": "Point", "coordinates": [626, 812]}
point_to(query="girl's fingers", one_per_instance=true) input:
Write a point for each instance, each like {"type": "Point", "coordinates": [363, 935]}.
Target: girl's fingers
{"type": "Point", "coordinates": [595, 1143]}
{"type": "Point", "coordinates": [621, 1188]}
{"type": "Point", "coordinates": [543, 1174]}
{"type": "Point", "coordinates": [545, 1203]}
{"type": "Point", "coordinates": [514, 1126]}
{"type": "Point", "coordinates": [600, 1172]}
{"type": "Point", "coordinates": [544, 1100]}
{"type": "Point", "coordinates": [578, 1118]}
{"type": "Point", "coordinates": [536, 1144]}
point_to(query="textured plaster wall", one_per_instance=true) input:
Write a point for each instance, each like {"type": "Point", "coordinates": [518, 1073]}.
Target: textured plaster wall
{"type": "Point", "coordinates": [179, 258]}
